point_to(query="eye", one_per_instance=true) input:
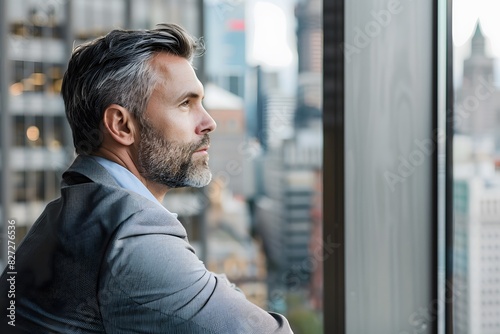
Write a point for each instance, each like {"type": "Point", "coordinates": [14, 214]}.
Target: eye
{"type": "Point", "coordinates": [185, 103]}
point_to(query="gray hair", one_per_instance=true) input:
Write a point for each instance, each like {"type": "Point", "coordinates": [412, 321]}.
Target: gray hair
{"type": "Point", "coordinates": [116, 69]}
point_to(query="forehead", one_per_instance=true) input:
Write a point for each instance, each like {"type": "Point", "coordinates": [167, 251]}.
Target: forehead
{"type": "Point", "coordinates": [169, 68]}
{"type": "Point", "coordinates": [175, 79]}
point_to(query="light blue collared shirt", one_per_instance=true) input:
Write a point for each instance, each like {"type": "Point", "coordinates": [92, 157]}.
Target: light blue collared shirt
{"type": "Point", "coordinates": [127, 180]}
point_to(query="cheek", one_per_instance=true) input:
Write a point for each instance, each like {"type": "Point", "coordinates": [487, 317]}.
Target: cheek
{"type": "Point", "coordinates": [179, 130]}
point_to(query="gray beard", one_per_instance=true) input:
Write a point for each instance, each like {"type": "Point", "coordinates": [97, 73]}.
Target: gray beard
{"type": "Point", "coordinates": [170, 163]}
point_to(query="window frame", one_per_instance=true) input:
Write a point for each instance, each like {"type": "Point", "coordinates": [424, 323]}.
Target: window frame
{"type": "Point", "coordinates": [334, 21]}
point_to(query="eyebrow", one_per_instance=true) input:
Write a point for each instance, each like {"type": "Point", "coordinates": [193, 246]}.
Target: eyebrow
{"type": "Point", "coordinates": [190, 95]}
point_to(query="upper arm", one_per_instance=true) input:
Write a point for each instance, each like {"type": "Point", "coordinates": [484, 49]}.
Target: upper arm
{"type": "Point", "coordinates": [154, 282]}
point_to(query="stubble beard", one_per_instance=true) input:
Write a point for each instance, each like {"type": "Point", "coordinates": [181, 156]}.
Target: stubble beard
{"type": "Point", "coordinates": [171, 163]}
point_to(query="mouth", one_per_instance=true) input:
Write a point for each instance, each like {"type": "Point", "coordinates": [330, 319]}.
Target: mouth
{"type": "Point", "coordinates": [203, 150]}
{"type": "Point", "coordinates": [204, 146]}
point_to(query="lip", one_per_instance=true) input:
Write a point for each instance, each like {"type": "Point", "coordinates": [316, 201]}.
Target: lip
{"type": "Point", "coordinates": [203, 150]}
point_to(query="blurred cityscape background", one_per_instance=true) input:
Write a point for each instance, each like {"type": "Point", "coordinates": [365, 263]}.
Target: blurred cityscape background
{"type": "Point", "coordinates": [259, 221]}
{"type": "Point", "coordinates": [476, 158]}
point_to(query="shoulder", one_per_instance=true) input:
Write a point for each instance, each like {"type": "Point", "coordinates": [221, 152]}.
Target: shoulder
{"type": "Point", "coordinates": [150, 261]}
{"type": "Point", "coordinates": [151, 219]}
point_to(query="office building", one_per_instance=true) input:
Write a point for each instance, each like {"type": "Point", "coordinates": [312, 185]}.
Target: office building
{"type": "Point", "coordinates": [477, 256]}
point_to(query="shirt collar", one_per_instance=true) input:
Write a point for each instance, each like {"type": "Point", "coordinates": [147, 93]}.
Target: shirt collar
{"type": "Point", "coordinates": [127, 180]}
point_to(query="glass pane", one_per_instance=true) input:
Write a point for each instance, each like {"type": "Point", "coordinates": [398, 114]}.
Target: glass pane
{"type": "Point", "coordinates": [476, 160]}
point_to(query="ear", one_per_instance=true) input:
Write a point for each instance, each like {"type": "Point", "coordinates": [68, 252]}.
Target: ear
{"type": "Point", "coordinates": [119, 124]}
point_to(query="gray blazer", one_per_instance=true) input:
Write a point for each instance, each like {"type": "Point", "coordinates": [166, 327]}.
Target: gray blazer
{"type": "Point", "coordinates": [101, 259]}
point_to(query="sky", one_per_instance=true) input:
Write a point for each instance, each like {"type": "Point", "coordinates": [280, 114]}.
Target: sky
{"type": "Point", "coordinates": [465, 15]}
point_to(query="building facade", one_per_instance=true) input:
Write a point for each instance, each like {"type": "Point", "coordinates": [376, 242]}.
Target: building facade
{"type": "Point", "coordinates": [477, 256]}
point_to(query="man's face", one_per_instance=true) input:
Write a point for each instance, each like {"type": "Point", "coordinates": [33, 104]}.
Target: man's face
{"type": "Point", "coordinates": [174, 127]}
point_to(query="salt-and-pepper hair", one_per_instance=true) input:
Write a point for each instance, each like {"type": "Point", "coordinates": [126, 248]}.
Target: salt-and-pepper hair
{"type": "Point", "coordinates": [116, 69]}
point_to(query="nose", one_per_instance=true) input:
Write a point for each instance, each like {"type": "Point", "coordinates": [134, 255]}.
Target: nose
{"type": "Point", "coordinates": [207, 124]}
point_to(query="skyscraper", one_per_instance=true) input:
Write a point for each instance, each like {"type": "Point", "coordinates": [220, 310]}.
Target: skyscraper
{"type": "Point", "coordinates": [476, 195]}
{"type": "Point", "coordinates": [478, 102]}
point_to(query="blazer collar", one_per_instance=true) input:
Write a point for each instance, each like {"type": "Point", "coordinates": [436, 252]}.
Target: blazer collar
{"type": "Point", "coordinates": [83, 169]}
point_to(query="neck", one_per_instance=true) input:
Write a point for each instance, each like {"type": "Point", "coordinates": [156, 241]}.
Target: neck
{"type": "Point", "coordinates": [126, 160]}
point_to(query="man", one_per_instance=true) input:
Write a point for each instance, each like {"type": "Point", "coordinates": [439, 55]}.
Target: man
{"type": "Point", "coordinates": [107, 257]}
